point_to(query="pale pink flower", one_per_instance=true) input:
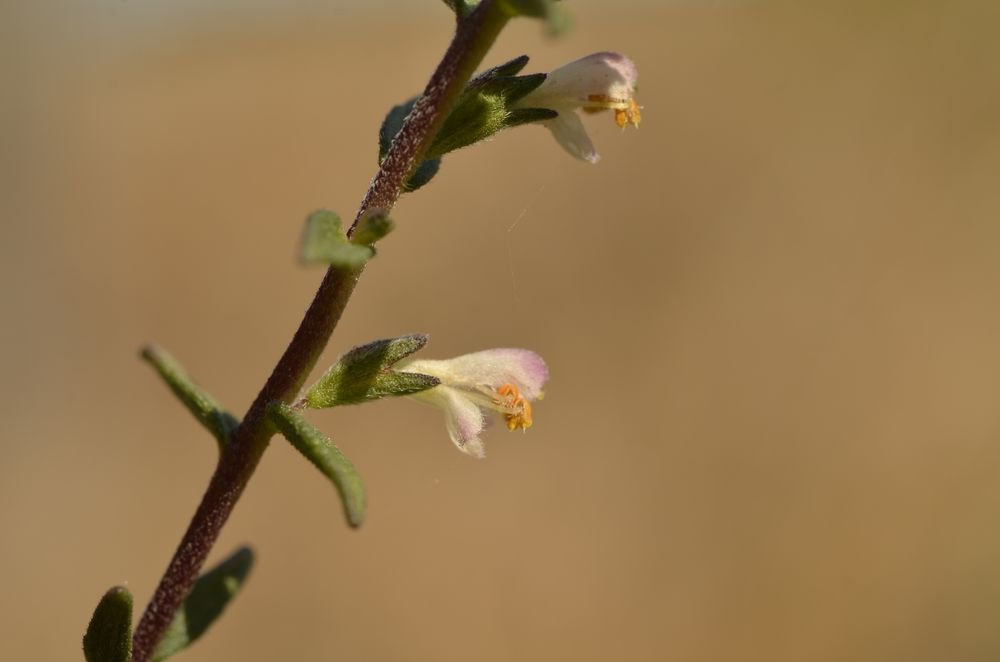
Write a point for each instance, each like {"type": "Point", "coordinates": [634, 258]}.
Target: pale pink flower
{"type": "Point", "coordinates": [504, 381]}
{"type": "Point", "coordinates": [597, 82]}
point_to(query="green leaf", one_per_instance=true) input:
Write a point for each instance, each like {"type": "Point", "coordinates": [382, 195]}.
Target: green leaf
{"type": "Point", "coordinates": [424, 173]}
{"type": "Point", "coordinates": [208, 412]}
{"type": "Point", "coordinates": [109, 635]}
{"type": "Point", "coordinates": [391, 126]}
{"type": "Point", "coordinates": [318, 449]}
{"type": "Point", "coordinates": [556, 20]}
{"type": "Point", "coordinates": [373, 226]}
{"type": "Point", "coordinates": [461, 7]}
{"type": "Point", "coordinates": [325, 242]}
{"type": "Point", "coordinates": [210, 596]}
{"type": "Point", "coordinates": [365, 373]}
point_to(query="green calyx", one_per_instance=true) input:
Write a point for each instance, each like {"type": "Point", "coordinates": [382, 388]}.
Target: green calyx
{"type": "Point", "coordinates": [485, 107]}
{"type": "Point", "coordinates": [365, 373]}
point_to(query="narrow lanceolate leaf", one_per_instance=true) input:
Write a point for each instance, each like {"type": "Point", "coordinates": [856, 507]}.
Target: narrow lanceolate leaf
{"type": "Point", "coordinates": [324, 242]}
{"type": "Point", "coordinates": [208, 412]}
{"type": "Point", "coordinates": [318, 449]}
{"type": "Point", "coordinates": [109, 635]}
{"type": "Point", "coordinates": [365, 373]}
{"type": "Point", "coordinates": [208, 599]}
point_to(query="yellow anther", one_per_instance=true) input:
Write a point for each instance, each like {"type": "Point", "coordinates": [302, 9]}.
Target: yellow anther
{"type": "Point", "coordinates": [630, 115]}
{"type": "Point", "coordinates": [517, 410]}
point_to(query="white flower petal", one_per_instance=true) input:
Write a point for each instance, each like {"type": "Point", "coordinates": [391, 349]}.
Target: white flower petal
{"type": "Point", "coordinates": [463, 418]}
{"type": "Point", "coordinates": [568, 131]}
{"type": "Point", "coordinates": [598, 82]}
{"type": "Point", "coordinates": [606, 73]}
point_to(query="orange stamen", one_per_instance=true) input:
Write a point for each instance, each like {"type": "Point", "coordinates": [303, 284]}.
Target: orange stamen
{"type": "Point", "coordinates": [518, 415]}
{"type": "Point", "coordinates": [630, 115]}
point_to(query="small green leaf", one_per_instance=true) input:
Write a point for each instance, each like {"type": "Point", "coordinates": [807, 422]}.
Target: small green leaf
{"type": "Point", "coordinates": [424, 173]}
{"type": "Point", "coordinates": [365, 373]}
{"type": "Point", "coordinates": [556, 20]}
{"type": "Point", "coordinates": [324, 242]}
{"type": "Point", "coordinates": [372, 227]}
{"type": "Point", "coordinates": [210, 596]}
{"type": "Point", "coordinates": [318, 449]}
{"type": "Point", "coordinates": [208, 412]}
{"type": "Point", "coordinates": [109, 635]}
{"type": "Point", "coordinates": [391, 125]}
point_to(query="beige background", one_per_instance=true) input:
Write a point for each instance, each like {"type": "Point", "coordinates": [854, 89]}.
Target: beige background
{"type": "Point", "coordinates": [771, 316]}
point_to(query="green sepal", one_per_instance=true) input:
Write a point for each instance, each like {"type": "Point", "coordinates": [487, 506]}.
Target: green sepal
{"type": "Point", "coordinates": [210, 596]}
{"type": "Point", "coordinates": [365, 373]}
{"type": "Point", "coordinates": [509, 68]}
{"type": "Point", "coordinates": [318, 449]}
{"type": "Point", "coordinates": [391, 126]}
{"type": "Point", "coordinates": [209, 413]}
{"type": "Point", "coordinates": [513, 88]}
{"type": "Point", "coordinates": [325, 242]}
{"type": "Point", "coordinates": [372, 227]}
{"type": "Point", "coordinates": [109, 634]}
{"type": "Point", "coordinates": [529, 115]}
{"type": "Point", "coordinates": [485, 107]}
{"type": "Point", "coordinates": [476, 117]}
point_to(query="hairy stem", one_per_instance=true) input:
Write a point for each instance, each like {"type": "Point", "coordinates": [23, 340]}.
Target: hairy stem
{"type": "Point", "coordinates": [473, 38]}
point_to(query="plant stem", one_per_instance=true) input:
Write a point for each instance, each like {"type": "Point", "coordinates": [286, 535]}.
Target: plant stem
{"type": "Point", "coordinates": [474, 36]}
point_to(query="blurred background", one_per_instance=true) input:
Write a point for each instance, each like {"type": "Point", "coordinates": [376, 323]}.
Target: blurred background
{"type": "Point", "coordinates": [771, 317]}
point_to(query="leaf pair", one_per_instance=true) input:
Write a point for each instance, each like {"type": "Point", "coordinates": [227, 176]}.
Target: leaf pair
{"type": "Point", "coordinates": [363, 374]}
{"type": "Point", "coordinates": [324, 240]}
{"type": "Point", "coordinates": [109, 634]}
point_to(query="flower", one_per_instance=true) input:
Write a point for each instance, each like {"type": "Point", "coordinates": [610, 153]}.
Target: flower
{"type": "Point", "coordinates": [600, 81]}
{"type": "Point", "coordinates": [501, 380]}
